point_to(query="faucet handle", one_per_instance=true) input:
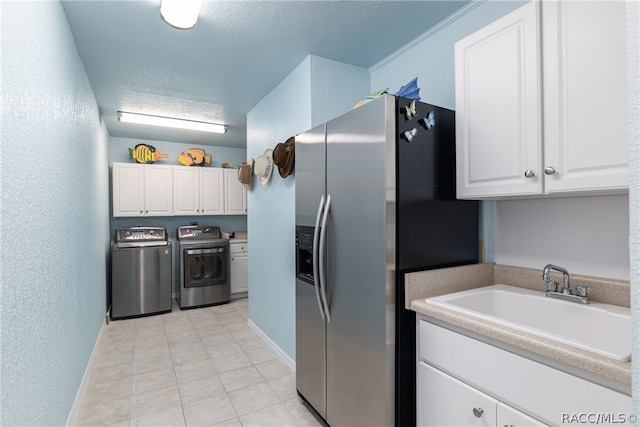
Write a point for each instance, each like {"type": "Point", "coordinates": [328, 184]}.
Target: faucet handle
{"type": "Point", "coordinates": [552, 286]}
{"type": "Point", "coordinates": [582, 290]}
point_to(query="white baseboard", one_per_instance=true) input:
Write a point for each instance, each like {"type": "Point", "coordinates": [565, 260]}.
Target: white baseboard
{"type": "Point", "coordinates": [284, 356]}
{"type": "Point", "coordinates": [85, 378]}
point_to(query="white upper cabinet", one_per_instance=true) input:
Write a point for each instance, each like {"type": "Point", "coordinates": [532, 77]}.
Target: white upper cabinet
{"type": "Point", "coordinates": [186, 194]}
{"type": "Point", "coordinates": [541, 102]}
{"type": "Point", "coordinates": [212, 188]}
{"type": "Point", "coordinates": [235, 194]}
{"type": "Point", "coordinates": [497, 108]}
{"type": "Point", "coordinates": [197, 191]}
{"type": "Point", "coordinates": [169, 190]}
{"type": "Point", "coordinates": [142, 190]}
{"type": "Point", "coordinates": [585, 95]}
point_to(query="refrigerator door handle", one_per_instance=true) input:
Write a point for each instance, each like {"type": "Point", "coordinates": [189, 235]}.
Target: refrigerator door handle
{"type": "Point", "coordinates": [322, 264]}
{"type": "Point", "coordinates": [316, 238]}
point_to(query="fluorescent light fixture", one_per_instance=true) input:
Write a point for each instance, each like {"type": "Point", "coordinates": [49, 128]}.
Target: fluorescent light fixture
{"type": "Point", "coordinates": [181, 14]}
{"type": "Point", "coordinates": [145, 119]}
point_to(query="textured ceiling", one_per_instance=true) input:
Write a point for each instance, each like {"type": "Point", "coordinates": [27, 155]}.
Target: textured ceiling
{"type": "Point", "coordinates": [234, 56]}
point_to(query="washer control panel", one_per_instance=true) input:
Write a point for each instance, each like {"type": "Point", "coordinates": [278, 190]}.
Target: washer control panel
{"type": "Point", "coordinates": [141, 234]}
{"type": "Point", "coordinates": [199, 232]}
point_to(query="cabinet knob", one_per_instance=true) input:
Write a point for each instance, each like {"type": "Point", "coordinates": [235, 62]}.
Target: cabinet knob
{"type": "Point", "coordinates": [478, 412]}
{"type": "Point", "coordinates": [549, 170]}
{"type": "Point", "coordinates": [529, 173]}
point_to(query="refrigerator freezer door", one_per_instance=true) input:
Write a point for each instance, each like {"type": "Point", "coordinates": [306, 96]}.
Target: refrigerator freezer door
{"type": "Point", "coordinates": [310, 174]}
{"type": "Point", "coordinates": [360, 290]}
{"type": "Point", "coordinates": [310, 348]}
{"type": "Point", "coordinates": [310, 324]}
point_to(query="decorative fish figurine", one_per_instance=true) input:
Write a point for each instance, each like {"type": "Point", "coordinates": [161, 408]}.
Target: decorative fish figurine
{"type": "Point", "coordinates": [371, 97]}
{"type": "Point", "coordinates": [409, 134]}
{"type": "Point", "coordinates": [410, 90]}
{"type": "Point", "coordinates": [194, 157]}
{"type": "Point", "coordinates": [410, 110]}
{"type": "Point", "coordinates": [144, 153]}
{"type": "Point", "coordinates": [429, 121]}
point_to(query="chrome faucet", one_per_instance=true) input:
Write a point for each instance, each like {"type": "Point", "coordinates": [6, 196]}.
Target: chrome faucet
{"type": "Point", "coordinates": [552, 285]}
{"type": "Point", "coordinates": [566, 293]}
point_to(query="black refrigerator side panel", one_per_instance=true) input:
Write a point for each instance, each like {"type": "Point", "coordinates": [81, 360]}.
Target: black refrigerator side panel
{"type": "Point", "coordinates": [434, 230]}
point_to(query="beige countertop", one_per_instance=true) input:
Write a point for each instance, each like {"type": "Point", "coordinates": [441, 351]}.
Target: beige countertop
{"type": "Point", "coordinates": [431, 283]}
{"type": "Point", "coordinates": [239, 237]}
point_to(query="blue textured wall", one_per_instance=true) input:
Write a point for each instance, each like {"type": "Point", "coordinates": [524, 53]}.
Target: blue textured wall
{"type": "Point", "coordinates": [54, 216]}
{"type": "Point", "coordinates": [119, 151]}
{"type": "Point", "coordinates": [317, 90]}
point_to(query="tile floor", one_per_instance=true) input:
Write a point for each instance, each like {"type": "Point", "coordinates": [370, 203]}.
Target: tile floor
{"type": "Point", "coordinates": [198, 367]}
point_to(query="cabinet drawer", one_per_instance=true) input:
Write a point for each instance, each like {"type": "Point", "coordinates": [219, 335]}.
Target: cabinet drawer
{"type": "Point", "coordinates": [457, 404]}
{"type": "Point", "coordinates": [238, 248]}
{"type": "Point", "coordinates": [520, 382]}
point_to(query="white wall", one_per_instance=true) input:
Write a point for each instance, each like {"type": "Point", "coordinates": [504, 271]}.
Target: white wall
{"type": "Point", "coordinates": [586, 235]}
{"type": "Point", "coordinates": [633, 77]}
{"type": "Point", "coordinates": [54, 238]}
{"type": "Point", "coordinates": [317, 90]}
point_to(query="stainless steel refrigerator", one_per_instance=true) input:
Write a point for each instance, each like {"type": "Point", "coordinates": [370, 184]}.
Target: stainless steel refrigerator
{"type": "Point", "coordinates": [375, 199]}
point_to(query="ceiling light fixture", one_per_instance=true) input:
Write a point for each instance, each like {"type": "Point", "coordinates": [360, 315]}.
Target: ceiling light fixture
{"type": "Point", "coordinates": [145, 119]}
{"type": "Point", "coordinates": [181, 14]}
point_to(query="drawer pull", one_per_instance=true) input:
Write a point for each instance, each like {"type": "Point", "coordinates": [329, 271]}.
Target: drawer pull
{"type": "Point", "coordinates": [478, 412]}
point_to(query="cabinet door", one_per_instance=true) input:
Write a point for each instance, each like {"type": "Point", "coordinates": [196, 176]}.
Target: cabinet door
{"type": "Point", "coordinates": [128, 189]}
{"type": "Point", "coordinates": [158, 190]}
{"type": "Point", "coordinates": [510, 417]}
{"type": "Point", "coordinates": [585, 93]}
{"type": "Point", "coordinates": [445, 401]}
{"type": "Point", "coordinates": [235, 197]}
{"type": "Point", "coordinates": [498, 137]}
{"type": "Point", "coordinates": [211, 189]}
{"type": "Point", "coordinates": [186, 191]}
{"type": "Point", "coordinates": [239, 272]}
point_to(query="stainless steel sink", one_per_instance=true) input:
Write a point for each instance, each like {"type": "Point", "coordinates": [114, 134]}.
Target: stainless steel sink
{"type": "Point", "coordinates": [600, 328]}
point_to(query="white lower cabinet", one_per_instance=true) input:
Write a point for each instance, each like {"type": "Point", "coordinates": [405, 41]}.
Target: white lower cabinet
{"type": "Point", "coordinates": [462, 381]}
{"type": "Point", "coordinates": [510, 417]}
{"type": "Point", "coordinates": [239, 267]}
{"type": "Point", "coordinates": [446, 401]}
